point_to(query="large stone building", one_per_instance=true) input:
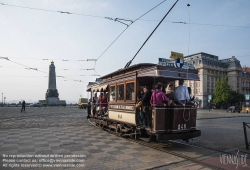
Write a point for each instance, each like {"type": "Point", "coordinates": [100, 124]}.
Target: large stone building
{"type": "Point", "coordinates": [210, 70]}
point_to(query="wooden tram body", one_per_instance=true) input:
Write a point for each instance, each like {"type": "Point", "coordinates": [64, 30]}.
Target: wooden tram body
{"type": "Point", "coordinates": [123, 87]}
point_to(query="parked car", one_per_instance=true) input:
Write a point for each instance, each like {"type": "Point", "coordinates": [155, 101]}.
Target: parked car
{"type": "Point", "coordinates": [18, 105]}
{"type": "Point", "coordinates": [233, 109]}
{"type": "Point", "coordinates": [36, 105]}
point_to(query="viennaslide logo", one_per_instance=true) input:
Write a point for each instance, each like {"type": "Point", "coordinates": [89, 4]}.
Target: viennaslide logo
{"type": "Point", "coordinates": [231, 159]}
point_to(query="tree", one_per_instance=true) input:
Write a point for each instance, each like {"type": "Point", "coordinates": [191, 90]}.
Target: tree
{"type": "Point", "coordinates": [222, 92]}
{"type": "Point", "coordinates": [236, 97]}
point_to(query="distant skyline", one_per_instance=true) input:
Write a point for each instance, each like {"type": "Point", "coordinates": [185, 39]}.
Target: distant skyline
{"type": "Point", "coordinates": [34, 38]}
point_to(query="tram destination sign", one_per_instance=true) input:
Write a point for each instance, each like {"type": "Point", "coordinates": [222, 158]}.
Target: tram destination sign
{"type": "Point", "coordinates": [163, 61]}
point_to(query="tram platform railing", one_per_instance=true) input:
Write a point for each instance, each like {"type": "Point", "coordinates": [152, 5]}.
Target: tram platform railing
{"type": "Point", "coordinates": [245, 126]}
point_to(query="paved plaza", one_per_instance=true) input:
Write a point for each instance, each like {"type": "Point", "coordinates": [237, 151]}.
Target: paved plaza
{"type": "Point", "coordinates": [59, 131]}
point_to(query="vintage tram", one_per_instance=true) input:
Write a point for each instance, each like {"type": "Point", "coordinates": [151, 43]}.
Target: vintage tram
{"type": "Point", "coordinates": [122, 88]}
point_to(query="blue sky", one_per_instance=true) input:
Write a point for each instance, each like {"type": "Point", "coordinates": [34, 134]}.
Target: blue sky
{"type": "Point", "coordinates": [27, 36]}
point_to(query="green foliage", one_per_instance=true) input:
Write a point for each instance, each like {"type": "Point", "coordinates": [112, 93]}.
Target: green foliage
{"type": "Point", "coordinates": [237, 97]}
{"type": "Point", "coordinates": [222, 91]}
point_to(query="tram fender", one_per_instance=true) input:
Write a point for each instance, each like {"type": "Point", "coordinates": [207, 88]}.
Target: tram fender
{"type": "Point", "coordinates": [172, 136]}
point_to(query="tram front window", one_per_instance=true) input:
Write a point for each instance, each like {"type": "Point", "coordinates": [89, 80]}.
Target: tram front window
{"type": "Point", "coordinates": [120, 91]}
{"type": "Point", "coordinates": [112, 93]}
{"type": "Point", "coordinates": [130, 94]}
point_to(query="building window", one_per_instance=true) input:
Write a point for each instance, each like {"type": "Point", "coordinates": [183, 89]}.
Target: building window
{"type": "Point", "coordinates": [112, 93]}
{"type": "Point", "coordinates": [120, 92]}
{"type": "Point", "coordinates": [130, 92]}
{"type": "Point", "coordinates": [208, 70]}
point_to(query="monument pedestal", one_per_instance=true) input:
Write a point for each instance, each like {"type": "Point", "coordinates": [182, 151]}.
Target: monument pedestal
{"type": "Point", "coordinates": [52, 101]}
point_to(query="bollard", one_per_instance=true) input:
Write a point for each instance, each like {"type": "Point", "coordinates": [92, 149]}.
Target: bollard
{"type": "Point", "coordinates": [245, 134]}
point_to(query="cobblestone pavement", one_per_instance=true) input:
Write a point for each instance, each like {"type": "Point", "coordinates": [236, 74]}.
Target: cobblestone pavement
{"type": "Point", "coordinates": [217, 113]}
{"type": "Point", "coordinates": [10, 117]}
{"type": "Point", "coordinates": [66, 131]}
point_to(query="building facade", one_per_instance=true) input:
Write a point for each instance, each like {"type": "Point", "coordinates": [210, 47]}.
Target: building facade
{"type": "Point", "coordinates": [210, 70]}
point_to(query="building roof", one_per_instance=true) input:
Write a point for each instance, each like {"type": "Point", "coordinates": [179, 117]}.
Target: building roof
{"type": "Point", "coordinates": [212, 56]}
{"type": "Point", "coordinates": [246, 69]}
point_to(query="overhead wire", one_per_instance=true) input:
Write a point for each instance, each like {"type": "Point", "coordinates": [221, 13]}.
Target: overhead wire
{"type": "Point", "coordinates": [47, 10]}
{"type": "Point", "coordinates": [110, 18]}
{"type": "Point", "coordinates": [35, 69]}
{"type": "Point", "coordinates": [51, 59]}
{"type": "Point", "coordinates": [128, 64]}
{"type": "Point", "coordinates": [127, 28]}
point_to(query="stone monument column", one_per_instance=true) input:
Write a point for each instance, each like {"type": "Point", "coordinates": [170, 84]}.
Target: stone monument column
{"type": "Point", "coordinates": [52, 93]}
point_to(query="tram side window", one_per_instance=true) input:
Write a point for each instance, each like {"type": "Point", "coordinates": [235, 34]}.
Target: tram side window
{"type": "Point", "coordinates": [120, 92]}
{"type": "Point", "coordinates": [112, 93]}
{"type": "Point", "coordinates": [130, 92]}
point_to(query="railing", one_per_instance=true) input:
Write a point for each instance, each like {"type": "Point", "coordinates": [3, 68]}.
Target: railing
{"type": "Point", "coordinates": [245, 134]}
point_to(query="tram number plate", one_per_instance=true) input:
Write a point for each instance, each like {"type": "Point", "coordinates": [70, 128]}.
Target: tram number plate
{"type": "Point", "coordinates": [119, 116]}
{"type": "Point", "coordinates": [181, 126]}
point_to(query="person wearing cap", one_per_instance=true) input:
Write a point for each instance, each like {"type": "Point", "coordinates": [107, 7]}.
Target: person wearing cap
{"type": "Point", "coordinates": [181, 92]}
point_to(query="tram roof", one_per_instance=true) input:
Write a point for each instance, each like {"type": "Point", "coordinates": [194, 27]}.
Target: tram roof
{"type": "Point", "coordinates": [128, 69]}
{"type": "Point", "coordinates": [144, 70]}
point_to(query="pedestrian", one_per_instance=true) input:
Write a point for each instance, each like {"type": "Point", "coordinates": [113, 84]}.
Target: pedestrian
{"type": "Point", "coordinates": [23, 106]}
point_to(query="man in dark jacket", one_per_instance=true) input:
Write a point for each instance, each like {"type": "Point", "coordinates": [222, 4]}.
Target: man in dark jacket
{"type": "Point", "coordinates": [145, 105]}
{"type": "Point", "coordinates": [23, 106]}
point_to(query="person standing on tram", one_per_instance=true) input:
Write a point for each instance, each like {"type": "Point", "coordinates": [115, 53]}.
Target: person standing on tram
{"type": "Point", "coordinates": [146, 106]}
{"type": "Point", "coordinates": [157, 98]}
{"type": "Point", "coordinates": [104, 105]}
{"type": "Point", "coordinates": [171, 95]}
{"type": "Point", "coordinates": [181, 92]}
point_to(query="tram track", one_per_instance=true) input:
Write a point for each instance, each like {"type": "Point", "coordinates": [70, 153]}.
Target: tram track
{"type": "Point", "coordinates": [222, 117]}
{"type": "Point", "coordinates": [160, 148]}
